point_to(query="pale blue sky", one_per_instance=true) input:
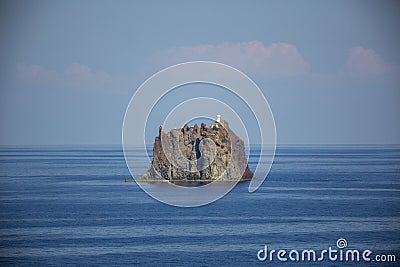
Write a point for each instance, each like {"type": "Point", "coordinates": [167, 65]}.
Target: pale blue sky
{"type": "Point", "coordinates": [329, 69]}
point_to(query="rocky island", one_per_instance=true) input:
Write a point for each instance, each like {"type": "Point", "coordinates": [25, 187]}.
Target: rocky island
{"type": "Point", "coordinates": [198, 154]}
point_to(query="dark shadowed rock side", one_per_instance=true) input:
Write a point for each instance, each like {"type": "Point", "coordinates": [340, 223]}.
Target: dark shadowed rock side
{"type": "Point", "coordinates": [198, 154]}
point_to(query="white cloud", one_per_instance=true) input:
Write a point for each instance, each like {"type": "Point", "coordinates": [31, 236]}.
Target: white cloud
{"type": "Point", "coordinates": [74, 76]}
{"type": "Point", "coordinates": [77, 72]}
{"type": "Point", "coordinates": [35, 72]}
{"type": "Point", "coordinates": [363, 61]}
{"type": "Point", "coordinates": [253, 58]}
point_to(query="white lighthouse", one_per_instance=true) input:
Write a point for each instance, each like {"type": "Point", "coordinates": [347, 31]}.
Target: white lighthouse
{"type": "Point", "coordinates": [215, 124]}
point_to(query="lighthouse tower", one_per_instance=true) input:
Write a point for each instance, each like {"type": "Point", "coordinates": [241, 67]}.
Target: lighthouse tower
{"type": "Point", "coordinates": [215, 124]}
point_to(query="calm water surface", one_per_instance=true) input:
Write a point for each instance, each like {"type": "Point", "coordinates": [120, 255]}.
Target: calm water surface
{"type": "Point", "coordinates": [70, 205]}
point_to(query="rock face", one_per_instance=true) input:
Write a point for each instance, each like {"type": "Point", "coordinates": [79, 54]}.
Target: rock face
{"type": "Point", "coordinates": [199, 154]}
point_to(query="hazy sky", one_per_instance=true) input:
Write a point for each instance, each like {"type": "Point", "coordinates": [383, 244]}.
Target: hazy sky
{"type": "Point", "coordinates": [330, 70]}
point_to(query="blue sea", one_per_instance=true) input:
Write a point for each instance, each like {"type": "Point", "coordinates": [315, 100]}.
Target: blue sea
{"type": "Point", "coordinates": [70, 206]}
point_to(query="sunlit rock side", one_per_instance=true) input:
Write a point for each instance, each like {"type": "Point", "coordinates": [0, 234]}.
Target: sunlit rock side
{"type": "Point", "coordinates": [198, 154]}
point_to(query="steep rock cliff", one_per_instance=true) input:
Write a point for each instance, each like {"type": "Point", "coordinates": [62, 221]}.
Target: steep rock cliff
{"type": "Point", "coordinates": [199, 154]}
